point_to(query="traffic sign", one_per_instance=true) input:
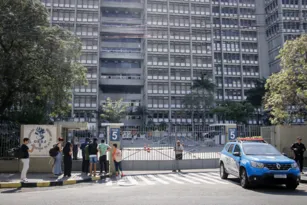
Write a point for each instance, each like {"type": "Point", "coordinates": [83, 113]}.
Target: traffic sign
{"type": "Point", "coordinates": [232, 133]}
{"type": "Point", "coordinates": [114, 134]}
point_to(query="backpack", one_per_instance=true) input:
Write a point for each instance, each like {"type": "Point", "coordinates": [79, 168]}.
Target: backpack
{"type": "Point", "coordinates": [18, 153]}
{"type": "Point", "coordinates": [53, 152]}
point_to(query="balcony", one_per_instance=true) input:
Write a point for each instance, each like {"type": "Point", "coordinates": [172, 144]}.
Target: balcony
{"type": "Point", "coordinates": [121, 20]}
{"type": "Point", "coordinates": [121, 70]}
{"type": "Point", "coordinates": [121, 55]}
{"type": "Point", "coordinates": [123, 30]}
{"type": "Point", "coordinates": [122, 82]}
{"type": "Point", "coordinates": [122, 4]}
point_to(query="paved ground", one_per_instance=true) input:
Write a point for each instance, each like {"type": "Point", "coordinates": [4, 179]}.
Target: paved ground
{"type": "Point", "coordinates": [192, 188]}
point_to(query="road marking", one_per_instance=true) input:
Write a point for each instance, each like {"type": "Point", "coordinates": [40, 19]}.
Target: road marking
{"type": "Point", "coordinates": [146, 180]}
{"type": "Point", "coordinates": [170, 179]}
{"type": "Point", "coordinates": [184, 178]}
{"type": "Point", "coordinates": [132, 180]}
{"type": "Point", "coordinates": [157, 179]}
{"type": "Point", "coordinates": [195, 177]}
{"type": "Point", "coordinates": [214, 176]}
{"type": "Point", "coordinates": [109, 182]}
{"type": "Point", "coordinates": [207, 176]}
{"type": "Point", "coordinates": [213, 173]}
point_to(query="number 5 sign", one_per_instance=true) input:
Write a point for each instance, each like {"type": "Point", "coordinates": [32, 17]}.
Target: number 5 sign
{"type": "Point", "coordinates": [232, 133]}
{"type": "Point", "coordinates": [114, 134]}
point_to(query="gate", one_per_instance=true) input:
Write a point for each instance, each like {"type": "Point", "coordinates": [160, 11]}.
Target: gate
{"type": "Point", "coordinates": [9, 139]}
{"type": "Point", "coordinates": [152, 148]}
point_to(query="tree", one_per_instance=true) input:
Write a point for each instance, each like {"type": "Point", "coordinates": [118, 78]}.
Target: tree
{"type": "Point", "coordinates": [200, 99]}
{"type": "Point", "coordinates": [37, 62]}
{"type": "Point", "coordinates": [240, 112]}
{"type": "Point", "coordinates": [113, 111]}
{"type": "Point", "coordinates": [255, 97]}
{"type": "Point", "coordinates": [286, 95]}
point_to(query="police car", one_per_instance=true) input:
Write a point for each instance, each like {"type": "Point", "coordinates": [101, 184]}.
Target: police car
{"type": "Point", "coordinates": [256, 162]}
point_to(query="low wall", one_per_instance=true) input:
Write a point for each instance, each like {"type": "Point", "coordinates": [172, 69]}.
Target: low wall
{"type": "Point", "coordinates": [9, 166]}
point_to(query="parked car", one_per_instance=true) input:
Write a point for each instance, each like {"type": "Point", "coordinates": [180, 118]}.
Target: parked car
{"type": "Point", "coordinates": [257, 162]}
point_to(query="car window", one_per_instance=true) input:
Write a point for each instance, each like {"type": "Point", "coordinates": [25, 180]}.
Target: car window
{"type": "Point", "coordinates": [237, 149]}
{"type": "Point", "coordinates": [230, 148]}
{"type": "Point", "coordinates": [226, 147]}
{"type": "Point", "coordinates": [260, 149]}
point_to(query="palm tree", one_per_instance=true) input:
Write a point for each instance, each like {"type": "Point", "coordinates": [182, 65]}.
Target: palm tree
{"type": "Point", "coordinates": [113, 111]}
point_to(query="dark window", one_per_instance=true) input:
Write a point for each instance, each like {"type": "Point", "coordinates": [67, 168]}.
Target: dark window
{"type": "Point", "coordinates": [237, 149]}
{"type": "Point", "coordinates": [230, 148]}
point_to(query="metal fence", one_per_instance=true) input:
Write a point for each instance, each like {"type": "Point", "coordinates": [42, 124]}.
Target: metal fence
{"type": "Point", "coordinates": [158, 143]}
{"type": "Point", "coordinates": [9, 139]}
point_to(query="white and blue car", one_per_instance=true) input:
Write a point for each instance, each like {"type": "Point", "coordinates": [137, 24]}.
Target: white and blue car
{"type": "Point", "coordinates": [257, 162]}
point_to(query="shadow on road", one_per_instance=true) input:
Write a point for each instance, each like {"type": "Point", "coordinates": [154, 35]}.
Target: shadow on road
{"type": "Point", "coordinates": [272, 189]}
{"type": "Point", "coordinates": [11, 191]}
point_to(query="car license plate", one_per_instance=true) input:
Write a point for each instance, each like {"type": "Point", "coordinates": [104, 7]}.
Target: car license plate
{"type": "Point", "coordinates": [280, 176]}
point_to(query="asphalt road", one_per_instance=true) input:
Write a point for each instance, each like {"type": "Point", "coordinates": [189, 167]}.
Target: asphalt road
{"type": "Point", "coordinates": [169, 189]}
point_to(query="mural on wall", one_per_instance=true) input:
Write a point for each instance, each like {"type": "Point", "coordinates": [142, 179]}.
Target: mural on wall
{"type": "Point", "coordinates": [42, 136]}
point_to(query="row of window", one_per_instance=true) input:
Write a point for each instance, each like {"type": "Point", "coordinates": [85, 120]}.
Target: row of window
{"type": "Point", "coordinates": [59, 15]}
{"type": "Point", "coordinates": [87, 30]}
{"type": "Point", "coordinates": [179, 35]}
{"type": "Point", "coordinates": [179, 48]}
{"type": "Point", "coordinates": [234, 10]}
{"type": "Point", "coordinates": [89, 44]}
{"type": "Point", "coordinates": [85, 101]}
{"type": "Point", "coordinates": [178, 21]}
{"type": "Point", "coordinates": [72, 3]}
{"type": "Point", "coordinates": [180, 61]}
{"type": "Point", "coordinates": [179, 8]}
{"type": "Point", "coordinates": [121, 64]}
{"type": "Point", "coordinates": [88, 58]}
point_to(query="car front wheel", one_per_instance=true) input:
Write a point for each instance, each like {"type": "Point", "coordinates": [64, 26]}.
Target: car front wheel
{"type": "Point", "coordinates": [243, 179]}
{"type": "Point", "coordinates": [223, 172]}
{"type": "Point", "coordinates": [291, 185]}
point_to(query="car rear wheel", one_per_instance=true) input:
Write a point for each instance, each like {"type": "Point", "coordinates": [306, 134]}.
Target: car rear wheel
{"type": "Point", "coordinates": [291, 186]}
{"type": "Point", "coordinates": [223, 172]}
{"type": "Point", "coordinates": [243, 179]}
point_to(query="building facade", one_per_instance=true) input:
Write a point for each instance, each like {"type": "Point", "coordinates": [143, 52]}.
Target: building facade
{"type": "Point", "coordinates": [285, 20]}
{"type": "Point", "coordinates": [148, 52]}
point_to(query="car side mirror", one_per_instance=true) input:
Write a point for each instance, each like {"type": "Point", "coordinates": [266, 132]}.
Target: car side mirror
{"type": "Point", "coordinates": [285, 154]}
{"type": "Point", "coordinates": [237, 154]}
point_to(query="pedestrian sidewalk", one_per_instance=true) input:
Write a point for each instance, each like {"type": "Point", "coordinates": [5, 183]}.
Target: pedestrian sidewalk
{"type": "Point", "coordinates": [44, 180]}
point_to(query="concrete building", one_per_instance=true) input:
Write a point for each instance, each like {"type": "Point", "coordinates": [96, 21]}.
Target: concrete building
{"type": "Point", "coordinates": [148, 52]}
{"type": "Point", "coordinates": [285, 19]}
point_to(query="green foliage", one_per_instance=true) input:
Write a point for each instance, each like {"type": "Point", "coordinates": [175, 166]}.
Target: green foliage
{"type": "Point", "coordinates": [256, 94]}
{"type": "Point", "coordinates": [288, 88]}
{"type": "Point", "coordinates": [113, 111]}
{"type": "Point", "coordinates": [37, 62]}
{"type": "Point", "coordinates": [239, 112]}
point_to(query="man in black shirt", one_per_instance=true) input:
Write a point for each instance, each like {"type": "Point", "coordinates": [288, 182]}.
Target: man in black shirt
{"type": "Point", "coordinates": [25, 158]}
{"type": "Point", "coordinates": [93, 152]}
{"type": "Point", "coordinates": [299, 149]}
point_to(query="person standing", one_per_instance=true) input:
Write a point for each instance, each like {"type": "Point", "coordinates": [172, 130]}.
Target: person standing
{"type": "Point", "coordinates": [85, 163]}
{"type": "Point", "coordinates": [103, 149]}
{"type": "Point", "coordinates": [178, 153]}
{"type": "Point", "coordinates": [93, 152]}
{"type": "Point", "coordinates": [117, 158]}
{"type": "Point", "coordinates": [57, 166]}
{"type": "Point", "coordinates": [67, 152]}
{"type": "Point", "coordinates": [25, 158]}
{"type": "Point", "coordinates": [299, 149]}
{"type": "Point", "coordinates": [75, 148]}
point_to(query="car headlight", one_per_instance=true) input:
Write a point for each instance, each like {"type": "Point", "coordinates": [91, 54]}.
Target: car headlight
{"type": "Point", "coordinates": [257, 164]}
{"type": "Point", "coordinates": [294, 165]}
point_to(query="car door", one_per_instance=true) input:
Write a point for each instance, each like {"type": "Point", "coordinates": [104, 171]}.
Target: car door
{"type": "Point", "coordinates": [228, 159]}
{"type": "Point", "coordinates": [235, 163]}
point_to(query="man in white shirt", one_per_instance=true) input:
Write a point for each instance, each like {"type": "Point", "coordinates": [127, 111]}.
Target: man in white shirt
{"type": "Point", "coordinates": [178, 153]}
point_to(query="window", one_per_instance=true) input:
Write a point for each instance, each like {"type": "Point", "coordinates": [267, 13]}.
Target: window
{"type": "Point", "coordinates": [230, 148]}
{"type": "Point", "coordinates": [237, 149]}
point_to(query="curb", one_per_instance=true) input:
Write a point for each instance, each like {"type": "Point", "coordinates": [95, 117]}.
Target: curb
{"type": "Point", "coordinates": [49, 183]}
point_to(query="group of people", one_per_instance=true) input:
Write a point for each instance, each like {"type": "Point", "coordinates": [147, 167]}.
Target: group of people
{"type": "Point", "coordinates": [90, 152]}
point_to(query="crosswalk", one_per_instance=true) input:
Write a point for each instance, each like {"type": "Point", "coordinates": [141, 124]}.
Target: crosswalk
{"type": "Point", "coordinates": [209, 178]}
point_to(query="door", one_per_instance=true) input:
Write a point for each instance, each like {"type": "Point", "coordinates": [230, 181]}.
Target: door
{"type": "Point", "coordinates": [236, 161]}
{"type": "Point", "coordinates": [228, 159]}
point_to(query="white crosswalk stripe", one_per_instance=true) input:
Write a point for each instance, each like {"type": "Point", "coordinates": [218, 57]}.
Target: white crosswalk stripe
{"type": "Point", "coordinates": [166, 179]}
{"type": "Point", "coordinates": [170, 179]}
{"type": "Point", "coordinates": [209, 178]}
{"type": "Point", "coordinates": [146, 180]}
{"type": "Point", "coordinates": [184, 178]}
{"type": "Point", "coordinates": [157, 179]}
{"type": "Point", "coordinates": [132, 180]}
{"type": "Point", "coordinates": [201, 180]}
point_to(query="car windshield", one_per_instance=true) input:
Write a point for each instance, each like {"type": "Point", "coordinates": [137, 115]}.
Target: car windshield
{"type": "Point", "coordinates": [260, 149]}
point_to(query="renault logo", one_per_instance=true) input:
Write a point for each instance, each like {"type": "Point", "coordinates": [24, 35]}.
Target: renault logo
{"type": "Point", "coordinates": [278, 166]}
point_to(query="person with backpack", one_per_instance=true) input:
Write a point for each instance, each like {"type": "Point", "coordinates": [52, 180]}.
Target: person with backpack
{"type": "Point", "coordinates": [67, 152]}
{"type": "Point", "coordinates": [93, 152]}
{"type": "Point", "coordinates": [57, 165]}
{"type": "Point", "coordinates": [24, 156]}
{"type": "Point", "coordinates": [117, 158]}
